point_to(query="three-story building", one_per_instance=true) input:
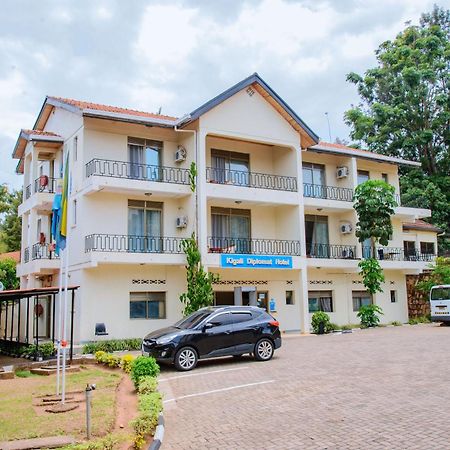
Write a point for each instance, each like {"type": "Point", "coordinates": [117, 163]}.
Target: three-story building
{"type": "Point", "coordinates": [272, 210]}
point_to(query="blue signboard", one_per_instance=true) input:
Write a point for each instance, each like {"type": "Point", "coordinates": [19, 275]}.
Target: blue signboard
{"type": "Point", "coordinates": [255, 261]}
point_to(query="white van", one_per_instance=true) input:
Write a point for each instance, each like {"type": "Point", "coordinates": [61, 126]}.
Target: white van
{"type": "Point", "coordinates": [440, 303]}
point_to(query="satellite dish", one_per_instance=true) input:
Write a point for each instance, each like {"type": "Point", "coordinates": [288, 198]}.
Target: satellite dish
{"type": "Point", "coordinates": [2, 286]}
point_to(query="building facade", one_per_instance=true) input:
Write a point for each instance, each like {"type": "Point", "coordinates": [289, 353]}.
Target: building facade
{"type": "Point", "coordinates": [272, 209]}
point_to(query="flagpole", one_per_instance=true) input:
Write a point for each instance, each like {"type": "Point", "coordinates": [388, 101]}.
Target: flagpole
{"type": "Point", "coordinates": [58, 341]}
{"type": "Point", "coordinates": [64, 336]}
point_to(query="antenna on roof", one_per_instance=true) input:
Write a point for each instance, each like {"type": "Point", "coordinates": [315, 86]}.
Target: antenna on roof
{"type": "Point", "coordinates": [159, 110]}
{"type": "Point", "coordinates": [329, 128]}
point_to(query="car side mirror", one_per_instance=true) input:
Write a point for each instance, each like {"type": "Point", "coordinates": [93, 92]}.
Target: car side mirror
{"type": "Point", "coordinates": [208, 326]}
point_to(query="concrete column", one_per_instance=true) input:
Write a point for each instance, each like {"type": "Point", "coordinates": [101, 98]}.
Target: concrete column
{"type": "Point", "coordinates": [301, 205]}
{"type": "Point", "coordinates": [33, 167]}
{"type": "Point", "coordinates": [202, 207]}
{"type": "Point", "coordinates": [305, 322]}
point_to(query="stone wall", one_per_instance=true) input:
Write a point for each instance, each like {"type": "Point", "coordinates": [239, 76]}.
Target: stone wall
{"type": "Point", "coordinates": [418, 303]}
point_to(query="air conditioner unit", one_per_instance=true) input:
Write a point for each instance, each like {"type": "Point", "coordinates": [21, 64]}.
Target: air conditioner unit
{"type": "Point", "coordinates": [180, 154]}
{"type": "Point", "coordinates": [182, 222]}
{"type": "Point", "coordinates": [346, 227]}
{"type": "Point", "coordinates": [341, 172]}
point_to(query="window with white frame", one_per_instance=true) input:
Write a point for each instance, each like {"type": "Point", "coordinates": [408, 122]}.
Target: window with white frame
{"type": "Point", "coordinates": [147, 305]}
{"type": "Point", "coordinates": [361, 298]}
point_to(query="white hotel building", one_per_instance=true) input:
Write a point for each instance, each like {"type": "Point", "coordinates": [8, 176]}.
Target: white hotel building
{"type": "Point", "coordinates": [272, 210]}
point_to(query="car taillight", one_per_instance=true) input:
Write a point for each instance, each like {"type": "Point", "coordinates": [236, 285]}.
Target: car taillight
{"type": "Point", "coordinates": [274, 323]}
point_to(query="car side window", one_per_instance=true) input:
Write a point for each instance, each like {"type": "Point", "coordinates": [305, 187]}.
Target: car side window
{"type": "Point", "coordinates": [221, 319]}
{"type": "Point", "coordinates": [241, 317]}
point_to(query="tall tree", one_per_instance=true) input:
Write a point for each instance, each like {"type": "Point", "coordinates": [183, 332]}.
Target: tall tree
{"type": "Point", "coordinates": [10, 222]}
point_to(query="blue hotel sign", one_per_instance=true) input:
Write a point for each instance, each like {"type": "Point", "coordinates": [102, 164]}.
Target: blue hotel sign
{"type": "Point", "coordinates": [255, 261]}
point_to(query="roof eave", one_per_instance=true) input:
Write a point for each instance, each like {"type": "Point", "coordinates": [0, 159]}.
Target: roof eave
{"type": "Point", "coordinates": [94, 113]}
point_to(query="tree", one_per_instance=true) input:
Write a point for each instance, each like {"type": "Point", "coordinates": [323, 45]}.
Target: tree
{"type": "Point", "coordinates": [8, 274]}
{"type": "Point", "coordinates": [11, 223]}
{"type": "Point", "coordinates": [374, 203]}
{"type": "Point", "coordinates": [404, 109]}
{"type": "Point", "coordinates": [199, 292]}
{"type": "Point", "coordinates": [440, 274]}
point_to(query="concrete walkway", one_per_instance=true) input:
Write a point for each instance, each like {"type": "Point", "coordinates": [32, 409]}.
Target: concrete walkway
{"type": "Point", "coordinates": [48, 442]}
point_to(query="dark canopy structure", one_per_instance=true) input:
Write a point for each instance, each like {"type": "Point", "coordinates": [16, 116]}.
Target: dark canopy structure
{"type": "Point", "coordinates": [15, 311]}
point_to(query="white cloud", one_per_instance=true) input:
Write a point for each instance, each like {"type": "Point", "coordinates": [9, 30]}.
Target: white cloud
{"type": "Point", "coordinates": [104, 13]}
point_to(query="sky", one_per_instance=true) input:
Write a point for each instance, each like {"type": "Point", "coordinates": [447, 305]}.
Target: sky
{"type": "Point", "coordinates": [177, 54]}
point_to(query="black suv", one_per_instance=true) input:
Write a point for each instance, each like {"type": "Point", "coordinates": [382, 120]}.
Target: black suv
{"type": "Point", "coordinates": [215, 331]}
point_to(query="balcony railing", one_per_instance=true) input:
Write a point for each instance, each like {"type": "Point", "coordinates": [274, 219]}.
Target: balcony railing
{"type": "Point", "coordinates": [396, 254]}
{"type": "Point", "coordinates": [327, 192]}
{"type": "Point", "coordinates": [28, 192]}
{"type": "Point", "coordinates": [135, 171]}
{"type": "Point", "coordinates": [124, 243]}
{"type": "Point", "coordinates": [26, 254]}
{"type": "Point", "coordinates": [330, 251]}
{"type": "Point", "coordinates": [45, 184]}
{"type": "Point", "coordinates": [251, 179]}
{"type": "Point", "coordinates": [253, 246]}
{"type": "Point", "coordinates": [43, 251]}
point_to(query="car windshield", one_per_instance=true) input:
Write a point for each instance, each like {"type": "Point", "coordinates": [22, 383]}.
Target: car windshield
{"type": "Point", "coordinates": [442, 293]}
{"type": "Point", "coordinates": [193, 320]}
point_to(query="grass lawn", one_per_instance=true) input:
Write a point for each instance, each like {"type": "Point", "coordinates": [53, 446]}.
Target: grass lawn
{"type": "Point", "coordinates": [21, 420]}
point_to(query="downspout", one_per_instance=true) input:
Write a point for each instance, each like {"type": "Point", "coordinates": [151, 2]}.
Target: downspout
{"type": "Point", "coordinates": [182, 120]}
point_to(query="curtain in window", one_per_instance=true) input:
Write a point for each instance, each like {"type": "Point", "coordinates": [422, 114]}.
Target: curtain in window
{"type": "Point", "coordinates": [316, 228]}
{"type": "Point", "coordinates": [240, 232]}
{"type": "Point", "coordinates": [325, 304]}
{"type": "Point", "coordinates": [136, 160]}
{"type": "Point", "coordinates": [153, 230]}
{"type": "Point", "coordinates": [135, 229]}
{"type": "Point", "coordinates": [219, 169]}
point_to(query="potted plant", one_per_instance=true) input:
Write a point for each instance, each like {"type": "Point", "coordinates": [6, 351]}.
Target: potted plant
{"type": "Point", "coordinates": [320, 322]}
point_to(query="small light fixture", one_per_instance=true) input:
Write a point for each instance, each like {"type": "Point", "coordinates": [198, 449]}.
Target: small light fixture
{"type": "Point", "coordinates": [238, 202]}
{"type": "Point", "coordinates": [148, 194]}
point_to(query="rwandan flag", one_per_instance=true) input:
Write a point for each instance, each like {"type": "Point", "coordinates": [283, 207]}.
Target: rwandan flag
{"type": "Point", "coordinates": [64, 200]}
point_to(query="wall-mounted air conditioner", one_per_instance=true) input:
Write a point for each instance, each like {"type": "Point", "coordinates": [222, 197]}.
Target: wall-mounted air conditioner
{"type": "Point", "coordinates": [341, 172]}
{"type": "Point", "coordinates": [180, 154]}
{"type": "Point", "coordinates": [181, 222]}
{"type": "Point", "coordinates": [346, 227]}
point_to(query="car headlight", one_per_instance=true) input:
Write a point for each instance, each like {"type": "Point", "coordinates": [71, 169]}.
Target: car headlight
{"type": "Point", "coordinates": [164, 340]}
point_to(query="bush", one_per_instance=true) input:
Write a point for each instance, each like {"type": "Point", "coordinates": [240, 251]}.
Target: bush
{"type": "Point", "coordinates": [150, 405]}
{"type": "Point", "coordinates": [368, 315]}
{"type": "Point", "coordinates": [45, 350]}
{"type": "Point", "coordinates": [420, 319]}
{"type": "Point", "coordinates": [332, 327]}
{"type": "Point", "coordinates": [113, 345]}
{"type": "Point", "coordinates": [147, 385]}
{"type": "Point", "coordinates": [113, 360]}
{"type": "Point", "coordinates": [143, 366]}
{"type": "Point", "coordinates": [396, 323]}
{"type": "Point", "coordinates": [100, 356]}
{"type": "Point", "coordinates": [126, 363]}
{"type": "Point", "coordinates": [318, 318]}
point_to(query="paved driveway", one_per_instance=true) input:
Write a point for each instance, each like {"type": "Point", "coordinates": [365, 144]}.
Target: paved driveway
{"type": "Point", "coordinates": [387, 388]}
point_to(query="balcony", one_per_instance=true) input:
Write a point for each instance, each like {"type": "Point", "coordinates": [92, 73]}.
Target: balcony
{"type": "Point", "coordinates": [253, 246]}
{"type": "Point", "coordinates": [327, 192]}
{"type": "Point", "coordinates": [127, 177]}
{"type": "Point", "coordinates": [41, 260]}
{"type": "Point", "coordinates": [330, 251]}
{"type": "Point", "coordinates": [396, 254]}
{"type": "Point", "coordinates": [132, 249]}
{"type": "Point", "coordinates": [43, 251]}
{"type": "Point", "coordinates": [251, 187]}
{"type": "Point", "coordinates": [39, 194]}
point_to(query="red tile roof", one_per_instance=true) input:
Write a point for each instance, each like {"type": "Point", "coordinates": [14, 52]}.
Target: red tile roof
{"type": "Point", "coordinates": [344, 147]}
{"type": "Point", "coordinates": [40, 133]}
{"type": "Point", "coordinates": [113, 109]}
{"type": "Point", "coordinates": [11, 255]}
{"type": "Point", "coordinates": [421, 225]}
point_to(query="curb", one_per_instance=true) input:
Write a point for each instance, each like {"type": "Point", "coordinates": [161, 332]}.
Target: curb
{"type": "Point", "coordinates": [159, 434]}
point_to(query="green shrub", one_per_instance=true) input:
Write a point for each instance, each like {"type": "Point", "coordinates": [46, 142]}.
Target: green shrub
{"type": "Point", "coordinates": [420, 319]}
{"type": "Point", "coordinates": [113, 345]}
{"type": "Point", "coordinates": [126, 363]}
{"type": "Point", "coordinates": [108, 442]}
{"type": "Point", "coordinates": [143, 366]}
{"type": "Point", "coordinates": [23, 373]}
{"type": "Point", "coordinates": [46, 350]}
{"type": "Point", "coordinates": [368, 314]}
{"type": "Point", "coordinates": [100, 356]}
{"type": "Point", "coordinates": [113, 360]}
{"type": "Point", "coordinates": [396, 323]}
{"type": "Point", "coordinates": [318, 318]}
{"type": "Point", "coordinates": [149, 406]}
{"type": "Point", "coordinates": [332, 327]}
{"type": "Point", "coordinates": [147, 385]}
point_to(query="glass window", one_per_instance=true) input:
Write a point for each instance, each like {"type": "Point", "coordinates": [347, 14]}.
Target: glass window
{"type": "Point", "coordinates": [361, 298]}
{"type": "Point", "coordinates": [314, 180]}
{"type": "Point", "coordinates": [230, 167]}
{"type": "Point", "coordinates": [147, 305]}
{"type": "Point", "coordinates": [241, 317]}
{"type": "Point", "coordinates": [75, 148]}
{"type": "Point", "coordinates": [221, 319]}
{"type": "Point", "coordinates": [427, 248]}
{"type": "Point", "coordinates": [74, 212]}
{"type": "Point", "coordinates": [440, 293]}
{"type": "Point", "coordinates": [384, 177]}
{"type": "Point", "coordinates": [144, 226]}
{"type": "Point", "coordinates": [320, 301]}
{"type": "Point", "coordinates": [316, 230]}
{"type": "Point", "coordinates": [363, 176]}
{"type": "Point", "coordinates": [194, 319]}
{"type": "Point", "coordinates": [409, 248]}
{"type": "Point", "coordinates": [289, 297]}
{"type": "Point", "coordinates": [145, 159]}
{"type": "Point", "coordinates": [230, 230]}
{"type": "Point", "coordinates": [393, 296]}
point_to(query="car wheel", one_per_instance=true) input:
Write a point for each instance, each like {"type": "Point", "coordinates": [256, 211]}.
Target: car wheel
{"type": "Point", "coordinates": [264, 350]}
{"type": "Point", "coordinates": [186, 359]}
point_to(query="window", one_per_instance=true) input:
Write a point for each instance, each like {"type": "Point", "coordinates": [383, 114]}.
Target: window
{"type": "Point", "coordinates": [144, 226]}
{"type": "Point", "coordinates": [314, 180]}
{"type": "Point", "coordinates": [363, 176]}
{"type": "Point", "coordinates": [241, 317]}
{"type": "Point", "coordinates": [427, 248]}
{"type": "Point", "coordinates": [361, 298]}
{"type": "Point", "coordinates": [221, 319]}
{"type": "Point", "coordinates": [39, 229]}
{"type": "Point", "coordinates": [320, 301]}
{"type": "Point", "coordinates": [75, 148]}
{"type": "Point", "coordinates": [230, 230]}
{"type": "Point", "coordinates": [74, 212]}
{"type": "Point", "coordinates": [409, 248]}
{"type": "Point", "coordinates": [289, 297]}
{"type": "Point", "coordinates": [316, 230]}
{"type": "Point", "coordinates": [393, 296]}
{"type": "Point", "coordinates": [230, 167]}
{"type": "Point", "coordinates": [145, 159]}
{"type": "Point", "coordinates": [147, 305]}
{"type": "Point", "coordinates": [193, 320]}
{"type": "Point", "coordinates": [384, 177]}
